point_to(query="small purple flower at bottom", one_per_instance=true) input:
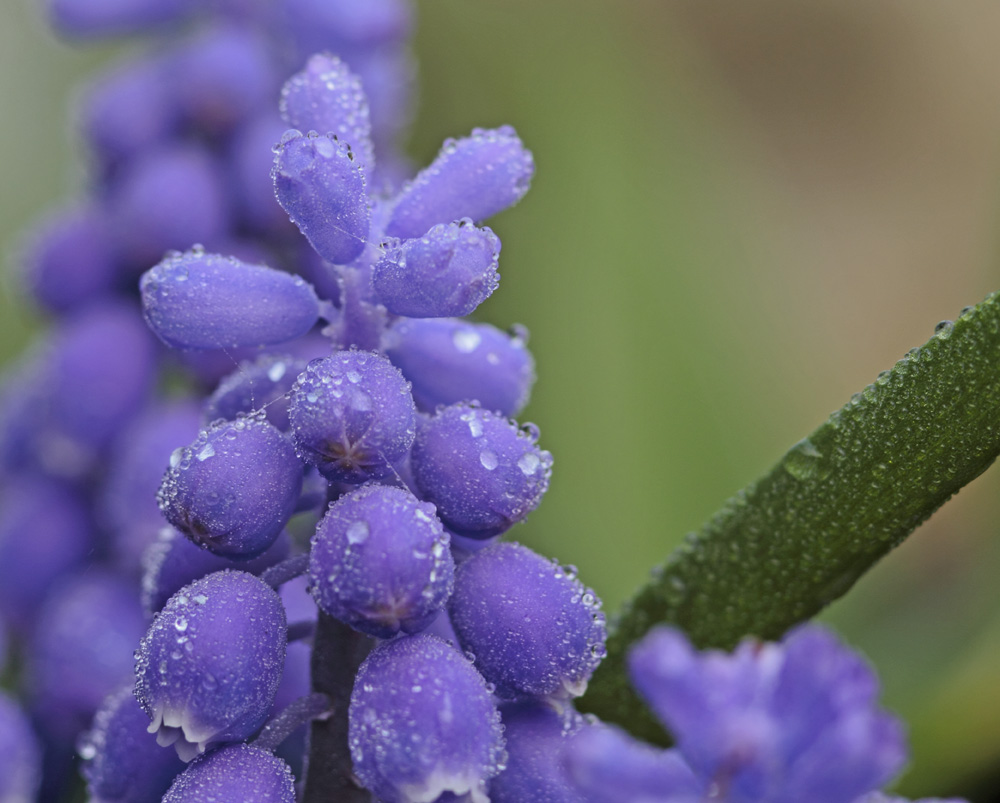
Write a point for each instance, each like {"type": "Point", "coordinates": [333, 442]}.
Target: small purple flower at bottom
{"type": "Point", "coordinates": [423, 724]}
{"type": "Point", "coordinates": [237, 772]}
{"type": "Point", "coordinates": [774, 723]}
{"type": "Point", "coordinates": [606, 765]}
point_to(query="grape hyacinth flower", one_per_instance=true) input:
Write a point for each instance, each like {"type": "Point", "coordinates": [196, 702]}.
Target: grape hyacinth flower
{"type": "Point", "coordinates": [352, 416]}
{"type": "Point", "coordinates": [380, 562]}
{"type": "Point", "coordinates": [769, 723]}
{"type": "Point", "coordinates": [122, 761]}
{"type": "Point", "coordinates": [236, 772]}
{"type": "Point", "coordinates": [422, 723]}
{"type": "Point", "coordinates": [233, 489]}
{"type": "Point", "coordinates": [373, 264]}
{"type": "Point", "coordinates": [482, 471]}
{"type": "Point", "coordinates": [209, 666]}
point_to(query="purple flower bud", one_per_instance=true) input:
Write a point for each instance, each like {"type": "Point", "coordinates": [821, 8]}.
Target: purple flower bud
{"type": "Point", "coordinates": [197, 300]}
{"type": "Point", "coordinates": [534, 628]}
{"type": "Point", "coordinates": [784, 722]}
{"type": "Point", "coordinates": [135, 470]}
{"type": "Point", "coordinates": [71, 260]}
{"type": "Point", "coordinates": [20, 754]}
{"type": "Point", "coordinates": [451, 270]}
{"type": "Point", "coordinates": [87, 18]}
{"type": "Point", "coordinates": [481, 471]}
{"type": "Point", "coordinates": [45, 532]}
{"type": "Point", "coordinates": [166, 200]}
{"type": "Point", "coordinates": [222, 76]}
{"type": "Point", "coordinates": [173, 562]}
{"type": "Point", "coordinates": [209, 666]}
{"type": "Point", "coordinates": [352, 416]}
{"type": "Point", "coordinates": [474, 177]}
{"type": "Point", "coordinates": [122, 763]}
{"type": "Point", "coordinates": [606, 765]}
{"type": "Point", "coordinates": [319, 25]}
{"type": "Point", "coordinates": [322, 188]}
{"type": "Point", "coordinates": [237, 772]}
{"type": "Point", "coordinates": [450, 361]}
{"type": "Point", "coordinates": [250, 157]}
{"type": "Point", "coordinates": [234, 488]}
{"type": "Point", "coordinates": [422, 723]}
{"type": "Point", "coordinates": [259, 385]}
{"type": "Point", "coordinates": [327, 97]}
{"type": "Point", "coordinates": [380, 562]}
{"type": "Point", "coordinates": [86, 396]}
{"type": "Point", "coordinates": [536, 735]}
{"type": "Point", "coordinates": [129, 108]}
{"type": "Point", "coordinates": [81, 648]}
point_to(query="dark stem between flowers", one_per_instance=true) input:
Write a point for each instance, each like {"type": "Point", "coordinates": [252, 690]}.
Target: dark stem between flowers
{"type": "Point", "coordinates": [337, 654]}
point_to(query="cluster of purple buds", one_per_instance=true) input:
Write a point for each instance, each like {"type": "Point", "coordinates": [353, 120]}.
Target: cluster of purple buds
{"type": "Point", "coordinates": [354, 474]}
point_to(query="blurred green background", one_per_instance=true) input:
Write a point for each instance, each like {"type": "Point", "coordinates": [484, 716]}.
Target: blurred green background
{"type": "Point", "coordinates": [741, 214]}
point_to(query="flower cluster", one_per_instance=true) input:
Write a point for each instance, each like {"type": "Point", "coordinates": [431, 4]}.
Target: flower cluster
{"type": "Point", "coordinates": [352, 478]}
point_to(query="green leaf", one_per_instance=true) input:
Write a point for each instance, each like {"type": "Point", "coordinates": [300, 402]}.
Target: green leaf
{"type": "Point", "coordinates": [798, 538]}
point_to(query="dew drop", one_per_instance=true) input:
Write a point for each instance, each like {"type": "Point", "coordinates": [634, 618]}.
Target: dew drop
{"type": "Point", "coordinates": [358, 532]}
{"type": "Point", "coordinates": [488, 460]}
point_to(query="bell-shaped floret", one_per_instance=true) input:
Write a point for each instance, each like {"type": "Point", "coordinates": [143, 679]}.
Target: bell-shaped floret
{"type": "Point", "coordinates": [449, 361]}
{"type": "Point", "coordinates": [536, 734]}
{"type": "Point", "coordinates": [352, 416]}
{"type": "Point", "coordinates": [259, 385]}
{"type": "Point", "coordinates": [423, 723]}
{"type": "Point", "coordinates": [166, 199]}
{"type": "Point", "coordinates": [380, 562]}
{"type": "Point", "coordinates": [20, 754]}
{"type": "Point", "coordinates": [82, 648]}
{"type": "Point", "coordinates": [451, 270]}
{"type": "Point", "coordinates": [783, 722]}
{"type": "Point", "coordinates": [71, 260]}
{"type": "Point", "coordinates": [533, 627]}
{"type": "Point", "coordinates": [197, 300]}
{"type": "Point", "coordinates": [327, 97]}
{"type": "Point", "coordinates": [473, 177]}
{"type": "Point", "coordinates": [45, 532]}
{"type": "Point", "coordinates": [174, 561]}
{"type": "Point", "coordinates": [318, 25]}
{"type": "Point", "coordinates": [222, 76]}
{"type": "Point", "coordinates": [82, 397]}
{"type": "Point", "coordinates": [238, 772]}
{"type": "Point", "coordinates": [134, 472]}
{"type": "Point", "coordinates": [209, 666]}
{"type": "Point", "coordinates": [129, 108]}
{"type": "Point", "coordinates": [122, 763]}
{"type": "Point", "coordinates": [481, 471]}
{"type": "Point", "coordinates": [233, 489]}
{"type": "Point", "coordinates": [322, 188]}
